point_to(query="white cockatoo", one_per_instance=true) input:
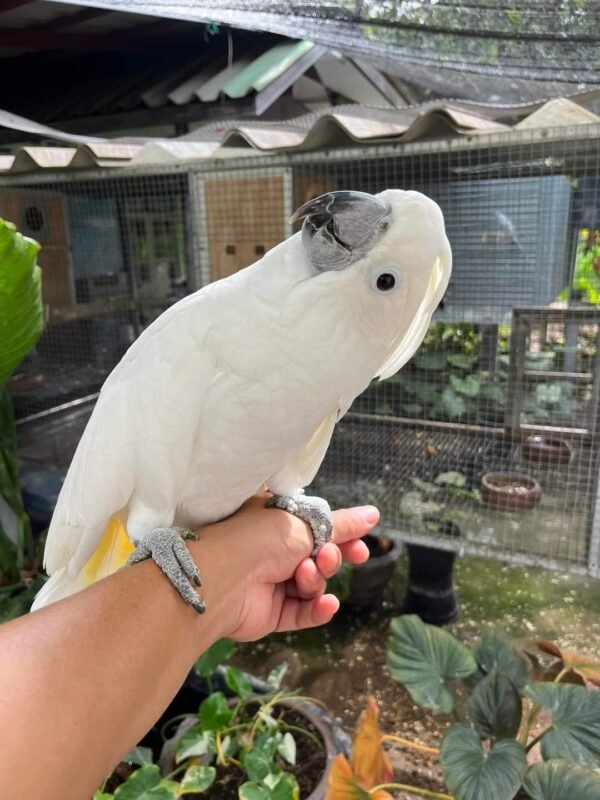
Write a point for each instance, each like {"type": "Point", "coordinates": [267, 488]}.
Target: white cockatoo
{"type": "Point", "coordinates": [240, 385]}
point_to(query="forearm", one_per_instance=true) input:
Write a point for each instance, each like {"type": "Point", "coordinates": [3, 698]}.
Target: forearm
{"type": "Point", "coordinates": [95, 672]}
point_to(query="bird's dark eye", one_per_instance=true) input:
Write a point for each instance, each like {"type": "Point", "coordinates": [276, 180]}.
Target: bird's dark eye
{"type": "Point", "coordinates": [386, 281]}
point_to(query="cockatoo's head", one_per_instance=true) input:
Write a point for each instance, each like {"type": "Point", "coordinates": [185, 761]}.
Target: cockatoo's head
{"type": "Point", "coordinates": [390, 252]}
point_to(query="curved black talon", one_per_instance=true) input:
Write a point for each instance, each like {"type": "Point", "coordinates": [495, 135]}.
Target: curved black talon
{"type": "Point", "coordinates": [165, 546]}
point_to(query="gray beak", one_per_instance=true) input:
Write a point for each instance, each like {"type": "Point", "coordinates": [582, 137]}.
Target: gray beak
{"type": "Point", "coordinates": [341, 227]}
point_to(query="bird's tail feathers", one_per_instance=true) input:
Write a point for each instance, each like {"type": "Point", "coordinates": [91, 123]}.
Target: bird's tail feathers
{"type": "Point", "coordinates": [112, 552]}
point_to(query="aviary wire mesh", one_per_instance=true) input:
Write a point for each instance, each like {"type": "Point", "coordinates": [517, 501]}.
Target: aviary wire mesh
{"type": "Point", "coordinates": [513, 352]}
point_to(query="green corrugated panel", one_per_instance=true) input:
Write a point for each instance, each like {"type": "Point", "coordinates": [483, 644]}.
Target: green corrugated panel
{"type": "Point", "coordinates": [268, 66]}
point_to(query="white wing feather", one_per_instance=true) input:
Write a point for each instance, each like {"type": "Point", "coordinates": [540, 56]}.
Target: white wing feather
{"type": "Point", "coordinates": [137, 441]}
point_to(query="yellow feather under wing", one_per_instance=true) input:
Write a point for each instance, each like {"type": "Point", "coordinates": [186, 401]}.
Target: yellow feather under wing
{"type": "Point", "coordinates": [112, 552]}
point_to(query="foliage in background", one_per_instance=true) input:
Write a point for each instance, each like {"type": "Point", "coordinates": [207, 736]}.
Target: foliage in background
{"type": "Point", "coordinates": [251, 735]}
{"type": "Point", "coordinates": [21, 322]}
{"type": "Point", "coordinates": [445, 381]}
{"type": "Point", "coordinates": [586, 277]}
{"type": "Point", "coordinates": [497, 695]}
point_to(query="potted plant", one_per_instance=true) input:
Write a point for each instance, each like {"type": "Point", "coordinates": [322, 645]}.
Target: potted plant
{"type": "Point", "coordinates": [236, 744]}
{"type": "Point", "coordinates": [21, 322]}
{"type": "Point", "coordinates": [523, 727]}
{"type": "Point", "coordinates": [510, 491]}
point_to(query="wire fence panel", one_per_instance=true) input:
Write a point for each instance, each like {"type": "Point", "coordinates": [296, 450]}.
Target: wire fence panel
{"type": "Point", "coordinates": [487, 441]}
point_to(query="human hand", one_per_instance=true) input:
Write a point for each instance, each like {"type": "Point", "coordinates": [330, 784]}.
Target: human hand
{"type": "Point", "coordinates": [278, 587]}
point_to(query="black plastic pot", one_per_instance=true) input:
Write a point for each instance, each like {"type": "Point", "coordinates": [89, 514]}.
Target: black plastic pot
{"type": "Point", "coordinates": [368, 581]}
{"type": "Point", "coordinates": [431, 594]}
{"type": "Point", "coordinates": [310, 712]}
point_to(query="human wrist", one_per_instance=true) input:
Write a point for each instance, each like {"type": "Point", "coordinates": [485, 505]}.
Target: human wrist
{"type": "Point", "coordinates": [222, 581]}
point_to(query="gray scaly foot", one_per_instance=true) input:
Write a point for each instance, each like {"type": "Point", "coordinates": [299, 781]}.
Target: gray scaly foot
{"type": "Point", "coordinates": [313, 510]}
{"type": "Point", "coordinates": [165, 546]}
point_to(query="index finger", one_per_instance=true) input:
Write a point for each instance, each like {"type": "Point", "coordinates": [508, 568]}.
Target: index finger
{"type": "Point", "coordinates": [353, 523]}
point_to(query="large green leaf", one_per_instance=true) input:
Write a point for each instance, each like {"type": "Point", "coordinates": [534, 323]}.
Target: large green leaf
{"type": "Point", "coordinates": [561, 780]}
{"type": "Point", "coordinates": [472, 774]}
{"type": "Point", "coordinates": [492, 651]}
{"type": "Point", "coordinates": [21, 322]}
{"type": "Point", "coordinates": [146, 784]}
{"type": "Point", "coordinates": [495, 707]}
{"type": "Point", "coordinates": [21, 314]}
{"type": "Point", "coordinates": [468, 386]}
{"type": "Point", "coordinates": [575, 713]}
{"type": "Point", "coordinates": [453, 404]}
{"type": "Point", "coordinates": [425, 659]}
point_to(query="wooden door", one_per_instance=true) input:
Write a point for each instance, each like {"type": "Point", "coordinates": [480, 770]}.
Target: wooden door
{"type": "Point", "coordinates": [244, 219]}
{"type": "Point", "coordinates": [41, 216]}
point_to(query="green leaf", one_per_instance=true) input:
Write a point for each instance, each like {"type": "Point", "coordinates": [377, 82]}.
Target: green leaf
{"type": "Point", "coordinates": [472, 774]}
{"type": "Point", "coordinates": [575, 713]}
{"type": "Point", "coordinates": [21, 313]}
{"type": "Point", "coordinates": [277, 674]}
{"type": "Point", "coordinates": [492, 651]}
{"type": "Point", "coordinates": [431, 361]}
{"type": "Point", "coordinates": [146, 784]}
{"type": "Point", "coordinates": [195, 743]}
{"type": "Point", "coordinates": [462, 360]}
{"type": "Point", "coordinates": [456, 479]}
{"type": "Point", "coordinates": [425, 392]}
{"type": "Point", "coordinates": [214, 712]}
{"type": "Point", "coordinates": [212, 658]}
{"type": "Point", "coordinates": [413, 505]}
{"type": "Point", "coordinates": [560, 780]}
{"type": "Point", "coordinates": [424, 486]}
{"type": "Point", "coordinates": [102, 796]}
{"type": "Point", "coordinates": [238, 682]}
{"type": "Point", "coordinates": [412, 409]}
{"type": "Point", "coordinates": [197, 779]}
{"type": "Point", "coordinates": [266, 743]}
{"type": "Point", "coordinates": [468, 386]}
{"type": "Point", "coordinates": [140, 756]}
{"type": "Point", "coordinates": [283, 787]}
{"type": "Point", "coordinates": [257, 764]}
{"type": "Point", "coordinates": [287, 748]}
{"type": "Point", "coordinates": [452, 403]}
{"type": "Point", "coordinates": [425, 659]}
{"type": "Point", "coordinates": [253, 791]}
{"type": "Point", "coordinates": [495, 707]}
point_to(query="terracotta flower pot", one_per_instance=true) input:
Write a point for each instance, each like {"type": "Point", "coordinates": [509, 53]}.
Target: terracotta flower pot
{"type": "Point", "coordinates": [510, 491]}
{"type": "Point", "coordinates": [546, 450]}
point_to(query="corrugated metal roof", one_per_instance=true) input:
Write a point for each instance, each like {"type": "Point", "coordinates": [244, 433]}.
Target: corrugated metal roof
{"type": "Point", "coordinates": [330, 128]}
